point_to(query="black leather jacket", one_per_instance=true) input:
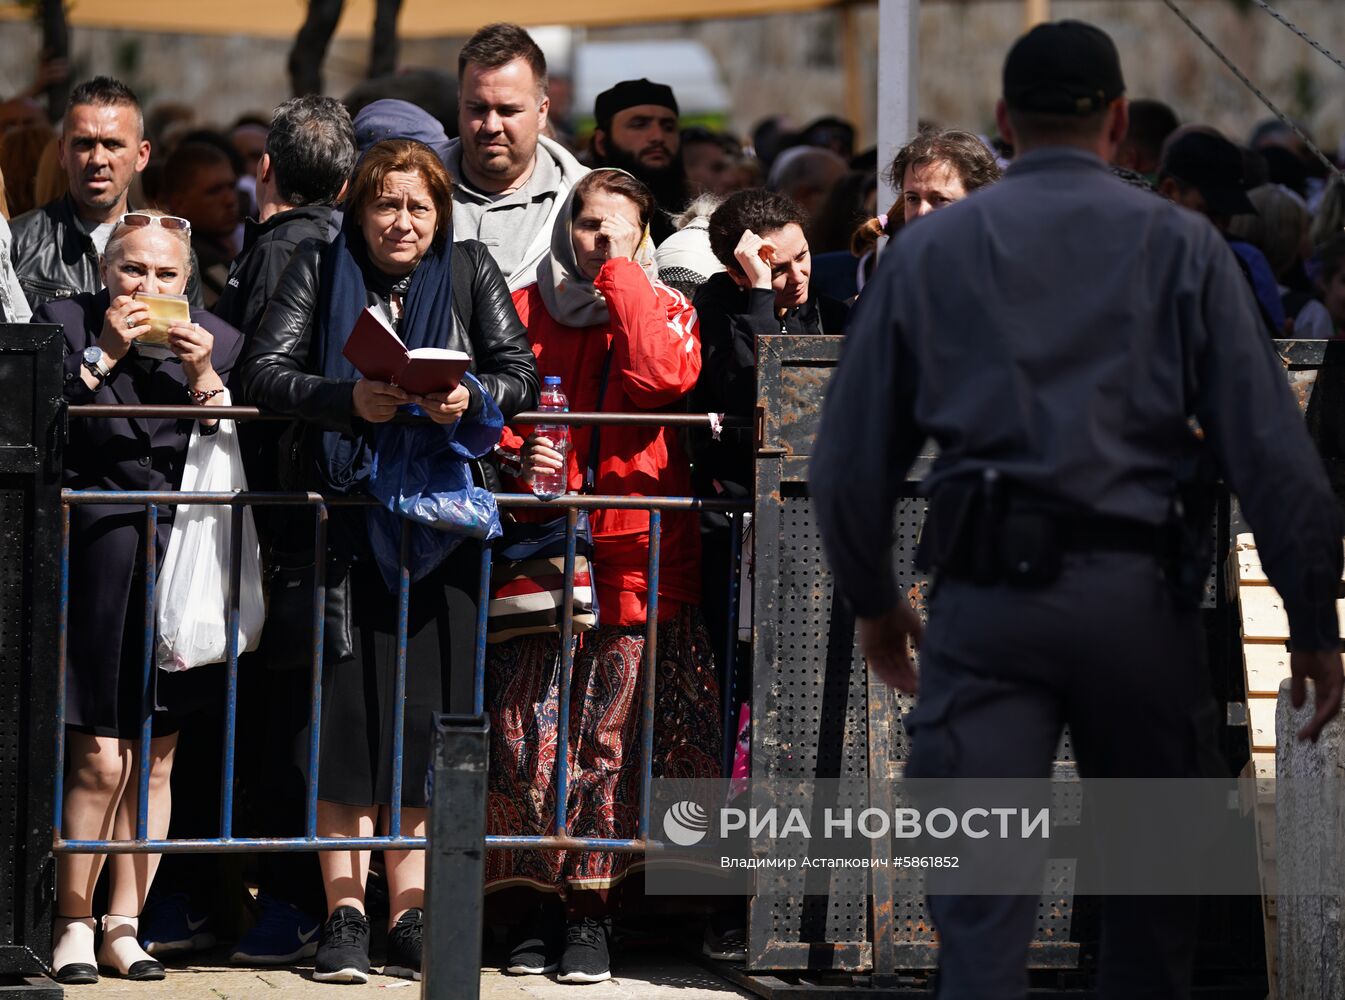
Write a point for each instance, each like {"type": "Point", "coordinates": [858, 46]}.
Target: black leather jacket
{"type": "Point", "coordinates": [276, 372]}
{"type": "Point", "coordinates": [55, 259]}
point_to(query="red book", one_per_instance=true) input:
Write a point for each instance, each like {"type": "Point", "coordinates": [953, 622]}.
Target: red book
{"type": "Point", "coordinates": [375, 349]}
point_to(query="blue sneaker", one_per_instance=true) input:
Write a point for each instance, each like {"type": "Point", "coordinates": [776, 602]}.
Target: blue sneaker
{"type": "Point", "coordinates": [169, 926]}
{"type": "Point", "coordinates": [282, 935]}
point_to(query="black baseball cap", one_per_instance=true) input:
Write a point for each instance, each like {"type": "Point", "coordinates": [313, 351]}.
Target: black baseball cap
{"type": "Point", "coordinates": [1214, 167]}
{"type": "Point", "coordinates": [1063, 68]}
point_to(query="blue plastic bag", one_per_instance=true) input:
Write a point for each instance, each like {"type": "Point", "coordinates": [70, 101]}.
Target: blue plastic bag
{"type": "Point", "coordinates": [420, 474]}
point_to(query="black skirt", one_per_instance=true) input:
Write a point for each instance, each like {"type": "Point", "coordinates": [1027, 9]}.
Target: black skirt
{"type": "Point", "coordinates": [358, 710]}
{"type": "Point", "coordinates": [109, 698]}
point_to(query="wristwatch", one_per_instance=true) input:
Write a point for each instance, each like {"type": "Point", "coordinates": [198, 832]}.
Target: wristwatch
{"type": "Point", "coordinates": [95, 362]}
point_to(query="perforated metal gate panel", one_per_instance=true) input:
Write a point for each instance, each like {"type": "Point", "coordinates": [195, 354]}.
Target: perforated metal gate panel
{"type": "Point", "coordinates": [822, 694]}
{"type": "Point", "coordinates": [12, 645]}
{"type": "Point", "coordinates": [816, 714]}
{"type": "Point", "coordinates": [30, 518]}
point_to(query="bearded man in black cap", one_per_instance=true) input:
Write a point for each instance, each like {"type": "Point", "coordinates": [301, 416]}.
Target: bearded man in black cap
{"type": "Point", "coordinates": [1060, 336]}
{"type": "Point", "coordinates": [637, 131]}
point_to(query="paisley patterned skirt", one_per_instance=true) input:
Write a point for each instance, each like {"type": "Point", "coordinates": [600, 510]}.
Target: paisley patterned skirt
{"type": "Point", "coordinates": [522, 697]}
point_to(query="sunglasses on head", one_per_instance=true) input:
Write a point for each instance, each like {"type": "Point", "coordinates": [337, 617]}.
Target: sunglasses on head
{"type": "Point", "coordinates": [139, 220]}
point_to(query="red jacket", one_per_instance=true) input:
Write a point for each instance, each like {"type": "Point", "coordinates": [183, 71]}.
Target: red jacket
{"type": "Point", "coordinates": [654, 339]}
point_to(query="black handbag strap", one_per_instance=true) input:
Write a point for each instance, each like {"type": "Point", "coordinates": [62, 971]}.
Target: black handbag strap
{"type": "Point", "coordinates": [591, 473]}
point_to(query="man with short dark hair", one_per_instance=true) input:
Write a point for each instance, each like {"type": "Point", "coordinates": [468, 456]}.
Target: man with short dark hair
{"type": "Point", "coordinates": [201, 187]}
{"type": "Point", "coordinates": [308, 156]}
{"type": "Point", "coordinates": [509, 180]}
{"type": "Point", "coordinates": [103, 146]}
{"type": "Point", "coordinates": [1151, 122]}
{"type": "Point", "coordinates": [636, 131]}
{"type": "Point", "coordinates": [1059, 336]}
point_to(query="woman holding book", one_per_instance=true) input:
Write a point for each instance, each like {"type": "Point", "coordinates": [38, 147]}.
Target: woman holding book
{"type": "Point", "coordinates": [621, 342]}
{"type": "Point", "coordinates": [109, 359]}
{"type": "Point", "coordinates": [394, 255]}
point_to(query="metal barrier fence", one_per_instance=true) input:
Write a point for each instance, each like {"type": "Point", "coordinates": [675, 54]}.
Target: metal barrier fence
{"type": "Point", "coordinates": [30, 483]}
{"type": "Point", "coordinates": [394, 840]}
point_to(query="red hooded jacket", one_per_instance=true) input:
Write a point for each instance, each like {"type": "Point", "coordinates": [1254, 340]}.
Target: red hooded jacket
{"type": "Point", "coordinates": [654, 339]}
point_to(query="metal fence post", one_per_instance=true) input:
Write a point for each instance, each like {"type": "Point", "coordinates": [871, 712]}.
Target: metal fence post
{"type": "Point", "coordinates": [456, 864]}
{"type": "Point", "coordinates": [31, 433]}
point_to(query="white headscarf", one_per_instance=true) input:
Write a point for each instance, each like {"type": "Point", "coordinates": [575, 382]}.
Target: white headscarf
{"type": "Point", "coordinates": [569, 296]}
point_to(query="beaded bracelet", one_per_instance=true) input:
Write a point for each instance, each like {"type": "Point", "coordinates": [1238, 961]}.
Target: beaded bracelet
{"type": "Point", "coordinates": [202, 397]}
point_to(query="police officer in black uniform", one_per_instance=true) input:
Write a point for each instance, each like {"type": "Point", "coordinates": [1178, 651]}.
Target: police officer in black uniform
{"type": "Point", "coordinates": [1076, 348]}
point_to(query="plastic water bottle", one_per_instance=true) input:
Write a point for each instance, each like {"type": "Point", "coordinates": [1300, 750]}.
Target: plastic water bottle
{"type": "Point", "coordinates": [549, 485]}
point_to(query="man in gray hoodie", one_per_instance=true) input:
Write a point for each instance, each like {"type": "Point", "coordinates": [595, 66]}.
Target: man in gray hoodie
{"type": "Point", "coordinates": [508, 180]}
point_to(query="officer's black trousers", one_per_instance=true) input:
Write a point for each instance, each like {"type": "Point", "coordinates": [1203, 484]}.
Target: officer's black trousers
{"type": "Point", "coordinates": [1002, 670]}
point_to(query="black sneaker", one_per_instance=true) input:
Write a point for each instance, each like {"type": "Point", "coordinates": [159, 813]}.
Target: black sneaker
{"type": "Point", "coordinates": [534, 947]}
{"type": "Point", "coordinates": [586, 959]}
{"type": "Point", "coordinates": [343, 952]}
{"type": "Point", "coordinates": [404, 941]}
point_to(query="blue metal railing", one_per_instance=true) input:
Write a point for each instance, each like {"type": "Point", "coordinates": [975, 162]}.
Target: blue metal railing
{"type": "Point", "coordinates": [239, 502]}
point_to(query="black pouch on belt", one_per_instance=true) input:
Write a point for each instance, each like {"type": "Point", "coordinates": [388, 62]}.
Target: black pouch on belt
{"type": "Point", "coordinates": [1031, 547]}
{"type": "Point", "coordinates": [947, 536]}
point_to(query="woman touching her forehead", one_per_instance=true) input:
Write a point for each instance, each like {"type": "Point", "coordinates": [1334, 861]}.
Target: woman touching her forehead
{"type": "Point", "coordinates": [619, 341]}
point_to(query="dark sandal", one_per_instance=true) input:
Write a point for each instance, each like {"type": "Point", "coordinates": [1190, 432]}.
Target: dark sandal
{"type": "Point", "coordinates": [76, 974]}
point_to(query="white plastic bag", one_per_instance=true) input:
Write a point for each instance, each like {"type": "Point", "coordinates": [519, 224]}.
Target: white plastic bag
{"type": "Point", "coordinates": [191, 595]}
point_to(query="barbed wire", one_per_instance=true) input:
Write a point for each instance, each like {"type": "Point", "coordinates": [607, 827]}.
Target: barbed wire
{"type": "Point", "coordinates": [1289, 122]}
{"type": "Point", "coordinates": [1297, 31]}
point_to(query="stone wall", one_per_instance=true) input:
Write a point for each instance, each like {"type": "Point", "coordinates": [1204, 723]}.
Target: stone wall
{"type": "Point", "coordinates": [792, 63]}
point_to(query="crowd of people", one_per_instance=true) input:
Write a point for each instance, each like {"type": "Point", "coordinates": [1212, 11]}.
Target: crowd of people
{"type": "Point", "coordinates": [638, 270]}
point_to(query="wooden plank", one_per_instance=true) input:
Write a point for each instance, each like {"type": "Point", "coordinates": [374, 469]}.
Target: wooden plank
{"type": "Point", "coordinates": [1249, 568]}
{"type": "Point", "coordinates": [1266, 839]}
{"type": "Point", "coordinates": [1270, 879]}
{"type": "Point", "coordinates": [1246, 789]}
{"type": "Point", "coordinates": [1262, 767]}
{"type": "Point", "coordinates": [1266, 665]}
{"type": "Point", "coordinates": [1261, 720]}
{"type": "Point", "coordinates": [1263, 615]}
{"type": "Point", "coordinates": [1256, 784]}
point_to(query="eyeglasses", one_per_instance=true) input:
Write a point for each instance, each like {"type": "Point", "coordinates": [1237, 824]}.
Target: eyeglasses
{"type": "Point", "coordinates": [139, 220]}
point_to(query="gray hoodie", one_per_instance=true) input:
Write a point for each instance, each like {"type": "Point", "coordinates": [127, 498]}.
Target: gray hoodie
{"type": "Point", "coordinates": [516, 228]}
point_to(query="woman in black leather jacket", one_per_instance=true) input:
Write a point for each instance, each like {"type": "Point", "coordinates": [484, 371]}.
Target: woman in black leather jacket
{"type": "Point", "coordinates": [395, 255]}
